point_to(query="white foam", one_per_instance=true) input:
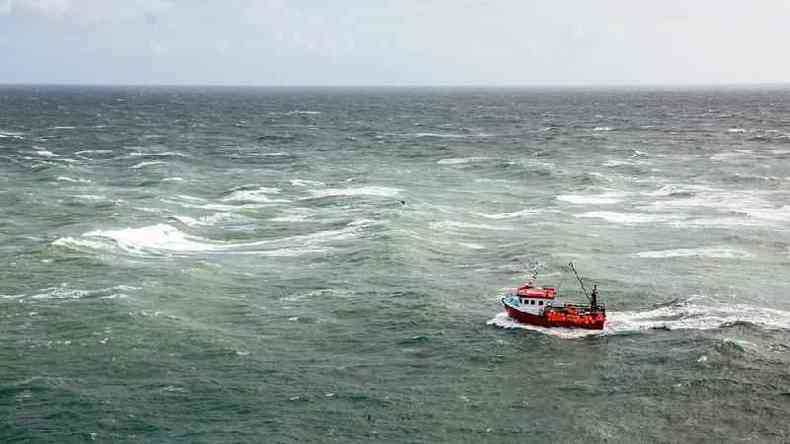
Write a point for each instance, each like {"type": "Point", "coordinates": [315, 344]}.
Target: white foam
{"type": "Point", "coordinates": [148, 163]}
{"type": "Point", "coordinates": [213, 219]}
{"type": "Point", "coordinates": [256, 195]}
{"type": "Point", "coordinates": [471, 246]}
{"type": "Point", "coordinates": [440, 135]}
{"type": "Point", "coordinates": [455, 225]}
{"type": "Point", "coordinates": [504, 321]}
{"type": "Point", "coordinates": [731, 155]}
{"type": "Point", "coordinates": [90, 196]}
{"type": "Point", "coordinates": [305, 183]}
{"type": "Point", "coordinates": [591, 199]}
{"type": "Point", "coordinates": [687, 315]}
{"type": "Point", "coordinates": [677, 189]}
{"type": "Point", "coordinates": [631, 218]}
{"type": "Point", "coordinates": [603, 128]}
{"type": "Point", "coordinates": [46, 153]}
{"type": "Point", "coordinates": [615, 163]}
{"type": "Point", "coordinates": [460, 161]}
{"type": "Point", "coordinates": [736, 130]}
{"type": "Point", "coordinates": [773, 214]}
{"type": "Point", "coordinates": [712, 252]}
{"type": "Point", "coordinates": [692, 315]}
{"type": "Point", "coordinates": [357, 191]}
{"type": "Point", "coordinates": [69, 179]}
{"type": "Point", "coordinates": [155, 238]}
{"type": "Point", "coordinates": [80, 153]}
{"type": "Point", "coordinates": [516, 214]}
{"type": "Point", "coordinates": [303, 112]}
{"type": "Point", "coordinates": [163, 239]}
{"type": "Point", "coordinates": [173, 179]}
{"type": "Point", "coordinates": [64, 293]}
{"type": "Point", "coordinates": [10, 135]}
{"type": "Point", "coordinates": [64, 127]}
{"type": "Point", "coordinates": [165, 154]}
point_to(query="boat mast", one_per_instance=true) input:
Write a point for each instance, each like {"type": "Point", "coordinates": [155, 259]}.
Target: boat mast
{"type": "Point", "coordinates": [570, 264]}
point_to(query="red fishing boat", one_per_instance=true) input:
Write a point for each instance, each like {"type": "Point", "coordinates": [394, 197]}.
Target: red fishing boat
{"type": "Point", "coordinates": [534, 305]}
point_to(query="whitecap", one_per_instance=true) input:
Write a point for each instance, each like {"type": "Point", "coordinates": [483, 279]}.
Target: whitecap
{"type": "Point", "coordinates": [591, 199]}
{"type": "Point", "coordinates": [455, 225]}
{"type": "Point", "coordinates": [46, 153]}
{"type": "Point", "coordinates": [89, 196]}
{"type": "Point", "coordinates": [163, 239]}
{"type": "Point", "coordinates": [164, 154]}
{"type": "Point", "coordinates": [736, 154]}
{"type": "Point", "coordinates": [69, 179]}
{"type": "Point", "coordinates": [516, 214]}
{"type": "Point", "coordinates": [603, 128]}
{"type": "Point", "coordinates": [173, 179]}
{"type": "Point", "coordinates": [440, 135]}
{"type": "Point", "coordinates": [63, 292]}
{"type": "Point", "coordinates": [630, 218]}
{"type": "Point", "coordinates": [460, 161]}
{"type": "Point", "coordinates": [256, 195]}
{"type": "Point", "coordinates": [148, 163]}
{"type": "Point", "coordinates": [11, 135]}
{"type": "Point", "coordinates": [357, 191]}
{"type": "Point", "coordinates": [80, 153]}
{"type": "Point", "coordinates": [303, 112]}
{"type": "Point", "coordinates": [209, 220]}
{"type": "Point", "coordinates": [736, 130]}
{"type": "Point", "coordinates": [616, 163]}
{"type": "Point", "coordinates": [711, 252]}
{"type": "Point", "coordinates": [63, 127]}
{"type": "Point", "coordinates": [305, 183]}
{"type": "Point", "coordinates": [471, 246]}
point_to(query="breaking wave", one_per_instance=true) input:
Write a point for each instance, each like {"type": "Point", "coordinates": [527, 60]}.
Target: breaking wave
{"type": "Point", "coordinates": [167, 240]}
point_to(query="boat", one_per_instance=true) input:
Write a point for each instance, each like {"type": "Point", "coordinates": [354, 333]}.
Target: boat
{"type": "Point", "coordinates": [533, 305]}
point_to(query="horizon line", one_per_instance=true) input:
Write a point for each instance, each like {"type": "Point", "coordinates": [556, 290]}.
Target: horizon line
{"type": "Point", "coordinates": [784, 84]}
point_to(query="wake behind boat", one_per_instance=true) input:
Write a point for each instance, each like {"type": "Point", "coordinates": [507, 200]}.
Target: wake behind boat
{"type": "Point", "coordinates": [534, 305]}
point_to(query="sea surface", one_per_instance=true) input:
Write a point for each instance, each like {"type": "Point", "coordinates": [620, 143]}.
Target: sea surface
{"type": "Point", "coordinates": [224, 265]}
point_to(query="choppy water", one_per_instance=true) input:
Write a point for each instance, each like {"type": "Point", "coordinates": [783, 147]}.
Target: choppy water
{"type": "Point", "coordinates": [223, 265]}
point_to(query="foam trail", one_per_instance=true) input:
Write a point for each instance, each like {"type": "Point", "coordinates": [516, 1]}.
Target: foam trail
{"type": "Point", "coordinates": [720, 253]}
{"type": "Point", "coordinates": [687, 315]}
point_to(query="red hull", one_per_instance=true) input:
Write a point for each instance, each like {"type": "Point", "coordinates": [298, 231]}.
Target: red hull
{"type": "Point", "coordinates": [594, 321]}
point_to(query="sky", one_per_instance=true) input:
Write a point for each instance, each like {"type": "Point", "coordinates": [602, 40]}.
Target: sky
{"type": "Point", "coordinates": [389, 42]}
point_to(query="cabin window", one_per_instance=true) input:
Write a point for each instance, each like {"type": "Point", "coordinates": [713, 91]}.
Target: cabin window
{"type": "Point", "coordinates": [532, 302]}
{"type": "Point", "coordinates": [540, 302]}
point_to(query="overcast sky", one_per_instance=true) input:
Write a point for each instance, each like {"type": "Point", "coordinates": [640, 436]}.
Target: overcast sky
{"type": "Point", "coordinates": [394, 42]}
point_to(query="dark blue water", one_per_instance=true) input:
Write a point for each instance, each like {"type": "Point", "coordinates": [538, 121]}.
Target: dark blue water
{"type": "Point", "coordinates": [324, 265]}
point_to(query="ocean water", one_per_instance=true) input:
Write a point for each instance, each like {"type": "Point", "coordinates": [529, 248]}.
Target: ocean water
{"type": "Point", "coordinates": [324, 265]}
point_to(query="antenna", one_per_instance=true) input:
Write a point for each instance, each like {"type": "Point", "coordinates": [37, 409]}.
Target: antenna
{"type": "Point", "coordinates": [570, 264]}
